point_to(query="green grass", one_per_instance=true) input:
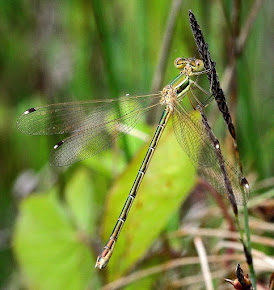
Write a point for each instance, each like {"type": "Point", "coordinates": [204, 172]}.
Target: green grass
{"type": "Point", "coordinates": [68, 50]}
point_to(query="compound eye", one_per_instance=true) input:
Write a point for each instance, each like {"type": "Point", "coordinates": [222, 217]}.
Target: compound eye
{"type": "Point", "coordinates": [179, 63]}
{"type": "Point", "coordinates": [199, 65]}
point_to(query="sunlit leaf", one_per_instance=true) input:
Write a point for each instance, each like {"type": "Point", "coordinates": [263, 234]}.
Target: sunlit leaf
{"type": "Point", "coordinates": [168, 181]}
{"type": "Point", "coordinates": [79, 195]}
{"type": "Point", "coordinates": [48, 248]}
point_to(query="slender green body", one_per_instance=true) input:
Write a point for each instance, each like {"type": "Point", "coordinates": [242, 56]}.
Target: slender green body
{"type": "Point", "coordinates": [170, 93]}
{"type": "Point", "coordinates": [104, 257]}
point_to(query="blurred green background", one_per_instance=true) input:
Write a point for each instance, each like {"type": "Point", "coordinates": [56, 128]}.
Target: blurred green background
{"type": "Point", "coordinates": [54, 221]}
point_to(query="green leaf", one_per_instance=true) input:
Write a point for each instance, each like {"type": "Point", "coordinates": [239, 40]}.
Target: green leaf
{"type": "Point", "coordinates": [48, 247]}
{"type": "Point", "coordinates": [169, 179]}
{"type": "Point", "coordinates": [79, 196]}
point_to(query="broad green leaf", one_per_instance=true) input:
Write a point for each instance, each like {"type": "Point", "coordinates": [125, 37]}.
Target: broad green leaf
{"type": "Point", "coordinates": [169, 179]}
{"type": "Point", "coordinates": [48, 247]}
{"type": "Point", "coordinates": [79, 196]}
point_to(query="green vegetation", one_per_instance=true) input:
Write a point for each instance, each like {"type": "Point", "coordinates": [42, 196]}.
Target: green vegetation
{"type": "Point", "coordinates": [54, 221]}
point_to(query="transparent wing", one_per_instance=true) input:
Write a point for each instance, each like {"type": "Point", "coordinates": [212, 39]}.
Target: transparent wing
{"type": "Point", "coordinates": [193, 138]}
{"type": "Point", "coordinates": [91, 141]}
{"type": "Point", "coordinates": [95, 125]}
{"type": "Point", "coordinates": [76, 116]}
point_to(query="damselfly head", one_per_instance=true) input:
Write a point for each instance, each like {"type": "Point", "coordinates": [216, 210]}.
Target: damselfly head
{"type": "Point", "coordinates": [189, 64]}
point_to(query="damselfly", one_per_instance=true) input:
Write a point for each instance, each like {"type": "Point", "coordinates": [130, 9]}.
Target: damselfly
{"type": "Point", "coordinates": [96, 125]}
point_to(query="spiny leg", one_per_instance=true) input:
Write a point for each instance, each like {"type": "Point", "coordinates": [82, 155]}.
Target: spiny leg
{"type": "Point", "coordinates": [208, 100]}
{"type": "Point", "coordinates": [194, 108]}
{"type": "Point", "coordinates": [195, 98]}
